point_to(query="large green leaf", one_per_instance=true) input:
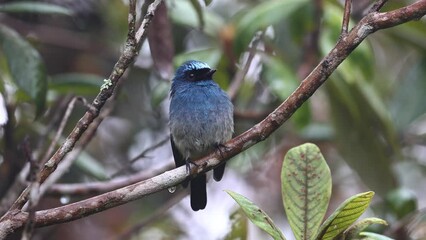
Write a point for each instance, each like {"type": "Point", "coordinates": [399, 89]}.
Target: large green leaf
{"type": "Point", "coordinates": [34, 7]}
{"type": "Point", "coordinates": [346, 214]}
{"type": "Point", "coordinates": [262, 16]}
{"type": "Point", "coordinates": [306, 189]}
{"type": "Point", "coordinates": [25, 66]}
{"type": "Point", "coordinates": [257, 215]}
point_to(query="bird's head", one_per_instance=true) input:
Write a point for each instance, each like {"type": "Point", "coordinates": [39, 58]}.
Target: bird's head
{"type": "Point", "coordinates": [194, 71]}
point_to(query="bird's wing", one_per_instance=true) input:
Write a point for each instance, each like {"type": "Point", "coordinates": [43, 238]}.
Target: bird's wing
{"type": "Point", "coordinates": [179, 159]}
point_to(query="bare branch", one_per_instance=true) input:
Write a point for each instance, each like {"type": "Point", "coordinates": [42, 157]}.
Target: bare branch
{"type": "Point", "coordinates": [311, 43]}
{"type": "Point", "coordinates": [126, 58]}
{"type": "Point", "coordinates": [139, 156]}
{"type": "Point", "coordinates": [104, 201]}
{"type": "Point", "coordinates": [143, 30]}
{"type": "Point", "coordinates": [240, 75]}
{"type": "Point", "coordinates": [61, 127]}
{"type": "Point", "coordinates": [34, 187]}
{"type": "Point", "coordinates": [368, 25]}
{"type": "Point", "coordinates": [92, 188]}
{"type": "Point", "coordinates": [155, 216]}
{"type": "Point", "coordinates": [346, 17]}
{"type": "Point", "coordinates": [377, 6]}
{"type": "Point", "coordinates": [81, 145]}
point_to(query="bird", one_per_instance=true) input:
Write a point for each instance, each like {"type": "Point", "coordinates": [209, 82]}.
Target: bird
{"type": "Point", "coordinates": [200, 121]}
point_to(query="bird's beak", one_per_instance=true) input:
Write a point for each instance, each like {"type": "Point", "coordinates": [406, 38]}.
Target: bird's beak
{"type": "Point", "coordinates": [210, 73]}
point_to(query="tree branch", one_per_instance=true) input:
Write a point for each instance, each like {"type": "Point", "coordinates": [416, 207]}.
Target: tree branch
{"type": "Point", "coordinates": [374, 21]}
{"type": "Point", "coordinates": [131, 49]}
{"type": "Point", "coordinates": [93, 188]}
{"type": "Point", "coordinates": [346, 17]}
{"type": "Point", "coordinates": [238, 79]}
{"type": "Point", "coordinates": [126, 58]}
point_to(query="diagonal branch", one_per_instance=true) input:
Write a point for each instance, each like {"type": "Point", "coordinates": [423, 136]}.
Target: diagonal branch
{"type": "Point", "coordinates": [131, 49]}
{"type": "Point", "coordinates": [126, 58]}
{"type": "Point", "coordinates": [371, 23]}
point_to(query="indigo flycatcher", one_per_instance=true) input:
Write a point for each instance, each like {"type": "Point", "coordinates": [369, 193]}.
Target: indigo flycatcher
{"type": "Point", "coordinates": [201, 120]}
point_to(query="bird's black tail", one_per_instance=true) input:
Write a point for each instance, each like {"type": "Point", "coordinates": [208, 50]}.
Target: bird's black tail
{"type": "Point", "coordinates": [218, 172]}
{"type": "Point", "coordinates": [198, 192]}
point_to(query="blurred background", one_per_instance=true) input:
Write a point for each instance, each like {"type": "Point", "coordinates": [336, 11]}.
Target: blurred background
{"type": "Point", "coordinates": [368, 119]}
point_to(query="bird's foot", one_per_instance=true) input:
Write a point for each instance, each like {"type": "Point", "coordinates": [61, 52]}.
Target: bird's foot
{"type": "Point", "coordinates": [188, 165]}
{"type": "Point", "coordinates": [221, 148]}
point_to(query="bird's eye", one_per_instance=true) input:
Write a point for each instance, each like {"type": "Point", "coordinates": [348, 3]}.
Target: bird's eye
{"type": "Point", "coordinates": [191, 76]}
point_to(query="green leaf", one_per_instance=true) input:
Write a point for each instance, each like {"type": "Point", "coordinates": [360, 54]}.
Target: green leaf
{"type": "Point", "coordinates": [353, 231]}
{"type": "Point", "coordinates": [76, 83]}
{"type": "Point", "coordinates": [238, 226]}
{"type": "Point", "coordinates": [257, 215]}
{"type": "Point", "coordinates": [346, 214]}
{"type": "Point", "coordinates": [374, 236]}
{"type": "Point", "coordinates": [306, 189]}
{"type": "Point", "coordinates": [25, 66]}
{"type": "Point", "coordinates": [262, 16]}
{"type": "Point", "coordinates": [34, 7]}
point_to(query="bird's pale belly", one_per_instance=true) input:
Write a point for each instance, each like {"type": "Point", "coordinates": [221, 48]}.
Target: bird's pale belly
{"type": "Point", "coordinates": [195, 141]}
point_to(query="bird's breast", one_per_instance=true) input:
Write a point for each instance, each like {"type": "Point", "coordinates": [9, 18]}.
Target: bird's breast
{"type": "Point", "coordinates": [199, 120]}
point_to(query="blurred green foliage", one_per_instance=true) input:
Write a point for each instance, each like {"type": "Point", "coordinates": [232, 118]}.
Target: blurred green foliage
{"type": "Point", "coordinates": [370, 114]}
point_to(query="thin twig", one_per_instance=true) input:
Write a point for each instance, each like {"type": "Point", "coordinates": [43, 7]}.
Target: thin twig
{"type": "Point", "coordinates": [241, 74]}
{"type": "Point", "coordinates": [143, 30]}
{"type": "Point", "coordinates": [34, 187]}
{"type": "Point", "coordinates": [67, 114]}
{"type": "Point", "coordinates": [154, 217]}
{"type": "Point", "coordinates": [93, 188]}
{"type": "Point", "coordinates": [127, 57]}
{"type": "Point", "coordinates": [72, 156]}
{"type": "Point", "coordinates": [377, 6]}
{"type": "Point", "coordinates": [346, 17]}
{"type": "Point", "coordinates": [311, 44]}
{"type": "Point", "coordinates": [139, 156]}
{"type": "Point", "coordinates": [21, 181]}
{"type": "Point", "coordinates": [368, 25]}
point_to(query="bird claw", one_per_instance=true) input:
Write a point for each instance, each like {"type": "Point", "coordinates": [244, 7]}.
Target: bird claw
{"type": "Point", "coordinates": [188, 165]}
{"type": "Point", "coordinates": [221, 148]}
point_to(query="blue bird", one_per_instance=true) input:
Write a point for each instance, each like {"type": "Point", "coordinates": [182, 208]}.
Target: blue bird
{"type": "Point", "coordinates": [201, 120]}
